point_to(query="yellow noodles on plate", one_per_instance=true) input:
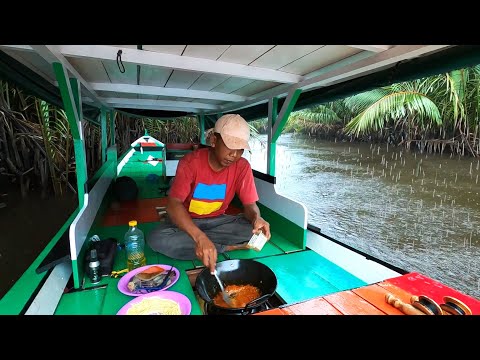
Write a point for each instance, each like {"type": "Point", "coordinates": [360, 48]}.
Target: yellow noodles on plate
{"type": "Point", "coordinates": [155, 306]}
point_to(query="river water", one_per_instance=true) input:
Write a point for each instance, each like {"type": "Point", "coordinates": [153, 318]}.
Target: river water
{"type": "Point", "coordinates": [419, 212]}
{"type": "Point", "coordinates": [28, 225]}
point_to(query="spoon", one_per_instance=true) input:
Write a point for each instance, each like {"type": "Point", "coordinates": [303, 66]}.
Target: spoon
{"type": "Point", "coordinates": [225, 295]}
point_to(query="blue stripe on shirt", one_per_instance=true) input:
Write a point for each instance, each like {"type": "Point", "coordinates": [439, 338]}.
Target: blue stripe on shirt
{"type": "Point", "coordinates": [210, 192]}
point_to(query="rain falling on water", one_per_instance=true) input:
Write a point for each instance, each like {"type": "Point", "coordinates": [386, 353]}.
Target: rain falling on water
{"type": "Point", "coordinates": [420, 212]}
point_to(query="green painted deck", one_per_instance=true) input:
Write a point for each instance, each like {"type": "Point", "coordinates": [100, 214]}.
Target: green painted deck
{"type": "Point", "coordinates": [301, 273]}
{"type": "Point", "coordinates": [305, 274]}
{"type": "Point", "coordinates": [138, 168]}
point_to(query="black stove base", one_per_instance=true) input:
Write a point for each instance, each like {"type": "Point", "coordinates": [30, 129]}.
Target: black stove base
{"type": "Point", "coordinates": [210, 309]}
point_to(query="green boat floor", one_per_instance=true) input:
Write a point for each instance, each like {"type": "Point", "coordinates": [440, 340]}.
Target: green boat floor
{"type": "Point", "coordinates": [305, 274]}
{"type": "Point", "coordinates": [268, 250]}
{"type": "Point", "coordinates": [108, 300]}
{"type": "Point", "coordinates": [138, 170]}
{"type": "Point", "coordinates": [84, 302]}
{"type": "Point", "coordinates": [301, 274]}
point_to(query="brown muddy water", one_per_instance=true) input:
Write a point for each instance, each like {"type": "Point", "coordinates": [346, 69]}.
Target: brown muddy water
{"type": "Point", "coordinates": [420, 212]}
{"type": "Point", "coordinates": [27, 226]}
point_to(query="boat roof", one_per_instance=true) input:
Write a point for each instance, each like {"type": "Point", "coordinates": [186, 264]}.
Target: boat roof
{"type": "Point", "coordinates": [178, 80]}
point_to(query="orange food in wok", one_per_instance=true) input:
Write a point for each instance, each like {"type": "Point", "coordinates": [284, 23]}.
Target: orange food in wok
{"type": "Point", "coordinates": [240, 296]}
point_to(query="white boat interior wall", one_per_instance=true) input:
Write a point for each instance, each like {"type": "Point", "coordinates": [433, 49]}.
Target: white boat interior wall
{"type": "Point", "coordinates": [124, 160]}
{"type": "Point", "coordinates": [83, 222]}
{"type": "Point", "coordinates": [147, 139]}
{"type": "Point", "coordinates": [171, 167]}
{"type": "Point", "coordinates": [353, 262]}
{"type": "Point", "coordinates": [47, 299]}
{"type": "Point", "coordinates": [290, 209]}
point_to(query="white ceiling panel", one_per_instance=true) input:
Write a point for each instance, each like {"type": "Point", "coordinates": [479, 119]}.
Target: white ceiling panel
{"type": "Point", "coordinates": [255, 87]}
{"type": "Point", "coordinates": [166, 49]}
{"type": "Point", "coordinates": [160, 97]}
{"type": "Point", "coordinates": [154, 76]}
{"type": "Point", "coordinates": [207, 82]}
{"type": "Point", "coordinates": [34, 62]}
{"type": "Point", "coordinates": [320, 58]}
{"type": "Point", "coordinates": [244, 54]}
{"type": "Point", "coordinates": [232, 85]}
{"type": "Point", "coordinates": [213, 102]}
{"type": "Point", "coordinates": [114, 74]}
{"type": "Point", "coordinates": [211, 52]}
{"type": "Point", "coordinates": [91, 70]}
{"type": "Point", "coordinates": [151, 97]}
{"type": "Point", "coordinates": [282, 55]}
{"type": "Point", "coordinates": [182, 79]}
{"type": "Point", "coordinates": [184, 99]}
{"type": "Point", "coordinates": [125, 46]}
{"type": "Point", "coordinates": [112, 94]}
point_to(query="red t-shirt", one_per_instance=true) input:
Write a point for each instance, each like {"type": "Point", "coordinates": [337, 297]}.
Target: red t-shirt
{"type": "Point", "coordinates": [207, 193]}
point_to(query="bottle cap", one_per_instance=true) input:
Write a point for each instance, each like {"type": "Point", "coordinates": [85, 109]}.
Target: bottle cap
{"type": "Point", "coordinates": [132, 223]}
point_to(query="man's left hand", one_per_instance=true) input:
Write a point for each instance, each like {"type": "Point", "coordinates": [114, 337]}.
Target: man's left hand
{"type": "Point", "coordinates": [261, 225]}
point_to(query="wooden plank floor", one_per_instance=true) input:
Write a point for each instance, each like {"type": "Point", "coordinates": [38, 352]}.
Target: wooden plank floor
{"type": "Point", "coordinates": [370, 299]}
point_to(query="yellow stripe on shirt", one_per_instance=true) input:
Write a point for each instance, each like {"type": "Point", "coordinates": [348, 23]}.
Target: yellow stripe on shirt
{"type": "Point", "coordinates": [204, 208]}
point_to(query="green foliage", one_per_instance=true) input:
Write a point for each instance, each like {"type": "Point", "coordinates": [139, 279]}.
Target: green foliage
{"type": "Point", "coordinates": [399, 105]}
{"type": "Point", "coordinates": [318, 114]}
{"type": "Point", "coordinates": [181, 130]}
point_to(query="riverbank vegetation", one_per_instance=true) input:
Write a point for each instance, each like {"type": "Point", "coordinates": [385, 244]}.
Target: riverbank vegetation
{"type": "Point", "coordinates": [36, 145]}
{"type": "Point", "coordinates": [434, 115]}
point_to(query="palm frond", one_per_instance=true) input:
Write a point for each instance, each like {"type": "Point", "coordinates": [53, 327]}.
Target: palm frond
{"type": "Point", "coordinates": [394, 106]}
{"type": "Point", "coordinates": [456, 83]}
{"type": "Point", "coordinates": [318, 114]}
{"type": "Point", "coordinates": [362, 101]}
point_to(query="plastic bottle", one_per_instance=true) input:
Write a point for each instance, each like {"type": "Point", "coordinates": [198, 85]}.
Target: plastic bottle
{"type": "Point", "coordinates": [94, 266]}
{"type": "Point", "coordinates": [134, 246]}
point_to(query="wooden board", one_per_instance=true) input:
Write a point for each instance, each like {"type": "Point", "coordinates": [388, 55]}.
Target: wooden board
{"type": "Point", "coordinates": [418, 284]}
{"type": "Point", "coordinates": [142, 210]}
{"type": "Point", "coordinates": [370, 299]}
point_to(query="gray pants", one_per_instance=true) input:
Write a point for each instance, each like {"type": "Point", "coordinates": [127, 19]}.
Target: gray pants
{"type": "Point", "coordinates": [223, 230]}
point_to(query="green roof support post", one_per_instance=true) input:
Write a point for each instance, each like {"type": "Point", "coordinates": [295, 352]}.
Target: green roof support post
{"type": "Point", "coordinates": [271, 146]}
{"type": "Point", "coordinates": [103, 132]}
{"type": "Point", "coordinates": [276, 125]}
{"type": "Point", "coordinates": [201, 121]}
{"type": "Point", "coordinates": [70, 91]}
{"type": "Point", "coordinates": [112, 127]}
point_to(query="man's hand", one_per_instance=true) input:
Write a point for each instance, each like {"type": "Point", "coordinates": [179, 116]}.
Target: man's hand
{"type": "Point", "coordinates": [206, 252]}
{"type": "Point", "coordinates": [204, 248]}
{"type": "Point", "coordinates": [259, 224]}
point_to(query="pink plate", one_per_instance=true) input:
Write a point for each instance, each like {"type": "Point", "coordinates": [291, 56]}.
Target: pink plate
{"type": "Point", "coordinates": [122, 284]}
{"type": "Point", "coordinates": [180, 299]}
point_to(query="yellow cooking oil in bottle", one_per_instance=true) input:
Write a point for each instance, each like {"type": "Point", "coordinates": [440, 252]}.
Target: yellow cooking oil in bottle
{"type": "Point", "coordinates": [135, 246]}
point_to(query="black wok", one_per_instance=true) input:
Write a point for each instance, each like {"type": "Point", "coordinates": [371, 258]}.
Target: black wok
{"type": "Point", "coordinates": [237, 272]}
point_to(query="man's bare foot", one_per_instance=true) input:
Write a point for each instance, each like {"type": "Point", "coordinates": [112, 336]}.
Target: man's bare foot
{"type": "Point", "coordinates": [236, 247]}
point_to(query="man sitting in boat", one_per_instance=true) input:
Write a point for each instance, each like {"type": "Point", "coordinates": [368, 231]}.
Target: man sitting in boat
{"type": "Point", "coordinates": [205, 183]}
